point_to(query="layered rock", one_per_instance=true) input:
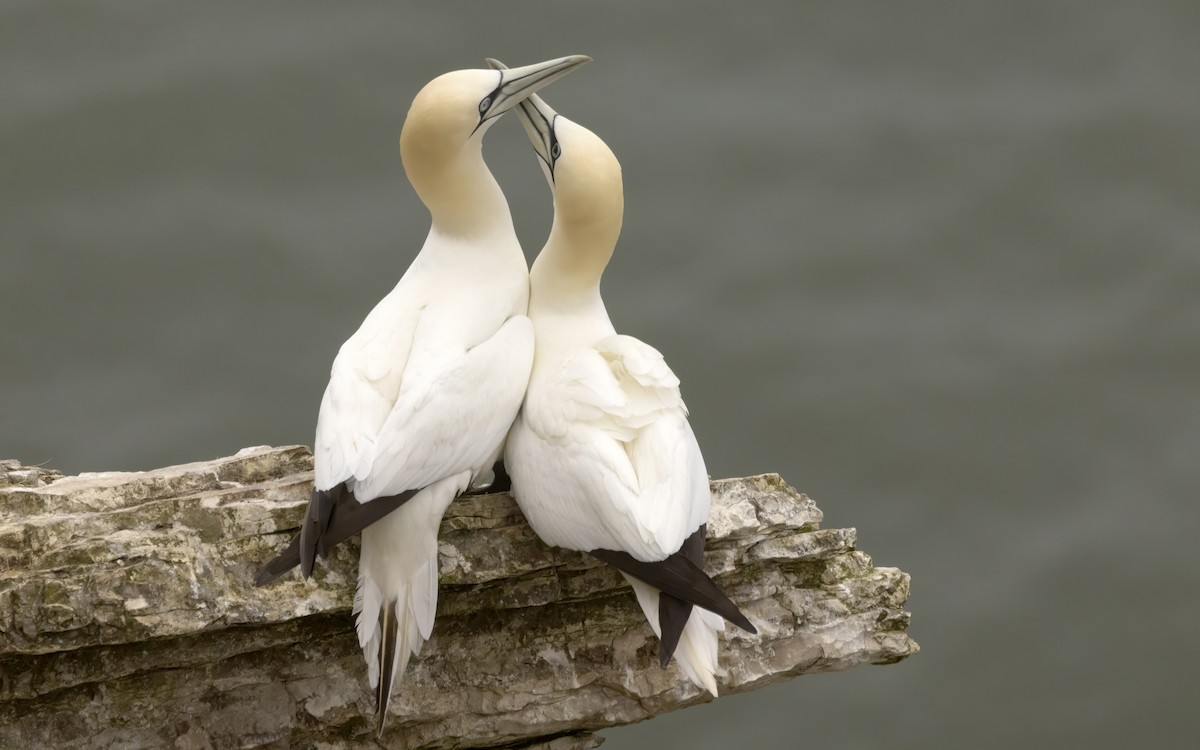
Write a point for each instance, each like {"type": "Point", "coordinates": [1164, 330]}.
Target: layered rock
{"type": "Point", "coordinates": [128, 616]}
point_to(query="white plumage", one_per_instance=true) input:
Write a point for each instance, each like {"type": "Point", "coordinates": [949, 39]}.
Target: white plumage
{"type": "Point", "coordinates": [604, 433]}
{"type": "Point", "coordinates": [422, 395]}
{"type": "Point", "coordinates": [460, 350]}
{"type": "Point", "coordinates": [601, 455]}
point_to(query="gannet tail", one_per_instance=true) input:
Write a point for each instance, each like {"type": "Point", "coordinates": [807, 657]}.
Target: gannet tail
{"type": "Point", "coordinates": [395, 637]}
{"type": "Point", "coordinates": [397, 587]}
{"type": "Point", "coordinates": [684, 630]}
{"type": "Point", "coordinates": [696, 653]}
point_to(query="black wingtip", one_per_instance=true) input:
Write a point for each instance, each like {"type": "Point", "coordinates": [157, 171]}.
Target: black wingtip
{"type": "Point", "coordinates": [718, 601]}
{"type": "Point", "coordinates": [281, 564]}
{"type": "Point", "coordinates": [333, 516]}
{"type": "Point", "coordinates": [266, 576]}
{"type": "Point", "coordinates": [673, 614]}
{"type": "Point", "coordinates": [731, 611]}
{"type": "Point", "coordinates": [316, 521]}
{"type": "Point", "coordinates": [744, 623]}
{"type": "Point", "coordinates": [680, 577]}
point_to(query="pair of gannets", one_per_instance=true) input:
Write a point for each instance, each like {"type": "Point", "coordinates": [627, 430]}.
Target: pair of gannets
{"type": "Point", "coordinates": [421, 398]}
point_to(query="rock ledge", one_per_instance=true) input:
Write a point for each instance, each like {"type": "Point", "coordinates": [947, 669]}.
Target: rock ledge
{"type": "Point", "coordinates": [128, 617]}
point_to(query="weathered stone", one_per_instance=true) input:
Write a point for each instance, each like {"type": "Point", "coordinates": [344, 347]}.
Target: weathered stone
{"type": "Point", "coordinates": [128, 617]}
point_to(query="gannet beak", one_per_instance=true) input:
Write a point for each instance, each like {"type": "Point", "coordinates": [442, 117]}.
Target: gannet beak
{"type": "Point", "coordinates": [518, 83]}
{"type": "Point", "coordinates": [537, 117]}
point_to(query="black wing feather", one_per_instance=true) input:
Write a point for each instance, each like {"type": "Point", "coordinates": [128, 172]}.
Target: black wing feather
{"type": "Point", "coordinates": [680, 577]}
{"type": "Point", "coordinates": [333, 517]}
{"type": "Point", "coordinates": [316, 521]}
{"type": "Point", "coordinates": [673, 612]}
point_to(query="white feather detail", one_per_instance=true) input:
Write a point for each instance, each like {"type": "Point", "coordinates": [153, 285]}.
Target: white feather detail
{"type": "Point", "coordinates": [364, 383]}
{"type": "Point", "coordinates": [452, 416]}
{"type": "Point", "coordinates": [602, 455]}
{"type": "Point", "coordinates": [696, 653]}
{"type": "Point", "coordinates": [433, 358]}
{"type": "Point", "coordinates": [398, 564]}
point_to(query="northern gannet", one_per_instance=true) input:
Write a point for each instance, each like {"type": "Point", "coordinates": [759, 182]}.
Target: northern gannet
{"type": "Point", "coordinates": [601, 456]}
{"type": "Point", "coordinates": [421, 397]}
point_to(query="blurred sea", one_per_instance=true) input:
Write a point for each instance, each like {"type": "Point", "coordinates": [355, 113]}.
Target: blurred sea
{"type": "Point", "coordinates": [937, 264]}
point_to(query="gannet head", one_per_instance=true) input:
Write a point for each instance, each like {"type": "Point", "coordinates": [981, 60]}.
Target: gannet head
{"type": "Point", "coordinates": [585, 178]}
{"type": "Point", "coordinates": [441, 141]}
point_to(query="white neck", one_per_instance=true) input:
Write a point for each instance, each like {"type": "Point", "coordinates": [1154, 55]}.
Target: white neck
{"type": "Point", "coordinates": [465, 200]}
{"type": "Point", "coordinates": [454, 183]}
{"type": "Point", "coordinates": [565, 306]}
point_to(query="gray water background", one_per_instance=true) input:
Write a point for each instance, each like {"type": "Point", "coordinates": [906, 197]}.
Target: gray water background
{"type": "Point", "coordinates": [935, 263]}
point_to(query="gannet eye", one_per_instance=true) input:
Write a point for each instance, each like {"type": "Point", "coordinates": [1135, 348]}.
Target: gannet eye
{"type": "Point", "coordinates": [485, 105]}
{"type": "Point", "coordinates": [555, 150]}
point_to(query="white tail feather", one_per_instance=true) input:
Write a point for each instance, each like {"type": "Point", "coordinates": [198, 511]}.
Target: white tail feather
{"type": "Point", "coordinates": [398, 569]}
{"type": "Point", "coordinates": [696, 653]}
{"type": "Point", "coordinates": [697, 650]}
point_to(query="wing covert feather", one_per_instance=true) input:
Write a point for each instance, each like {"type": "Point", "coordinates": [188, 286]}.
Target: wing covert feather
{"type": "Point", "coordinates": [452, 416]}
{"type": "Point", "coordinates": [628, 473]}
{"type": "Point", "coordinates": [364, 382]}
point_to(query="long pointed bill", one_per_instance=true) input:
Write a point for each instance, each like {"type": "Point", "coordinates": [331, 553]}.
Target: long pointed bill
{"type": "Point", "coordinates": [537, 117]}
{"type": "Point", "coordinates": [518, 83]}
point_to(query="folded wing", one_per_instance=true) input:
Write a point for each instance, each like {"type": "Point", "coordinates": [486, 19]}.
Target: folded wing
{"type": "Point", "coordinates": [627, 461]}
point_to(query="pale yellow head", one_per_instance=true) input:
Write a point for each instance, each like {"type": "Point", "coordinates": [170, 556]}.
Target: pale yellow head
{"type": "Point", "coordinates": [441, 142]}
{"type": "Point", "coordinates": [585, 177]}
{"type": "Point", "coordinates": [589, 201]}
